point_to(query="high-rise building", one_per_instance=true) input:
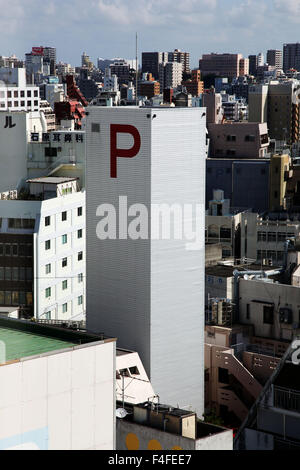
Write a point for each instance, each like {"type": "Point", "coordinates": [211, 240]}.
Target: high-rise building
{"type": "Point", "coordinates": [277, 104]}
{"type": "Point", "coordinates": [260, 59]}
{"type": "Point", "coordinates": [274, 58]}
{"type": "Point", "coordinates": [253, 62]}
{"type": "Point", "coordinates": [183, 57]}
{"type": "Point", "coordinates": [291, 56]}
{"type": "Point", "coordinates": [49, 54]}
{"type": "Point", "coordinates": [148, 289]}
{"type": "Point", "coordinates": [170, 74]}
{"type": "Point", "coordinates": [151, 61]}
{"type": "Point", "coordinates": [222, 65]}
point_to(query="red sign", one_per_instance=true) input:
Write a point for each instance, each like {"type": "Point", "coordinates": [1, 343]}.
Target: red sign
{"type": "Point", "coordinates": [37, 51]}
{"type": "Point", "coordinates": [115, 152]}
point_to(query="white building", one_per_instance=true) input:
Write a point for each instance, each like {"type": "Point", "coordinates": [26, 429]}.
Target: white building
{"type": "Point", "coordinates": [57, 389]}
{"type": "Point", "coordinates": [54, 214]}
{"type": "Point", "coordinates": [15, 95]}
{"type": "Point", "coordinates": [149, 292]}
{"type": "Point", "coordinates": [170, 74]}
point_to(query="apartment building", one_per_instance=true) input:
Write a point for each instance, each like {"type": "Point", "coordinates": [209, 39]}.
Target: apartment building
{"type": "Point", "coordinates": [291, 56]}
{"type": "Point", "coordinates": [42, 246]}
{"type": "Point", "coordinates": [15, 94]}
{"type": "Point", "coordinates": [170, 74]}
{"type": "Point", "coordinates": [275, 58]}
{"type": "Point", "coordinates": [277, 104]}
{"type": "Point", "coordinates": [179, 56]}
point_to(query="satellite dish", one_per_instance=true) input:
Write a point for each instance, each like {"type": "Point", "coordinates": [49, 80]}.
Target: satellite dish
{"type": "Point", "coordinates": [121, 413]}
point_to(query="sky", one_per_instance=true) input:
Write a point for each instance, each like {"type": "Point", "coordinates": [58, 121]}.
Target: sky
{"type": "Point", "coordinates": [106, 28]}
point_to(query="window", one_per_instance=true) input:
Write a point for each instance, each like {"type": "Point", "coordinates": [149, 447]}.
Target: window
{"type": "Point", "coordinates": [248, 312]}
{"type": "Point", "coordinates": [64, 285]}
{"type": "Point", "coordinates": [95, 127]}
{"type": "Point", "coordinates": [48, 292]}
{"type": "Point", "coordinates": [29, 274]}
{"type": "Point", "coordinates": [8, 274]}
{"type": "Point", "coordinates": [48, 268]}
{"type": "Point", "coordinates": [271, 236]}
{"type": "Point", "coordinates": [80, 277]}
{"type": "Point", "coordinates": [261, 236]}
{"type": "Point", "coordinates": [134, 370]}
{"type": "Point", "coordinates": [47, 220]}
{"type": "Point", "coordinates": [79, 233]}
{"type": "Point", "coordinates": [28, 94]}
{"type": "Point", "coordinates": [50, 152]}
{"type": "Point", "coordinates": [47, 244]}
{"type": "Point", "coordinates": [80, 300]}
{"type": "Point", "coordinates": [22, 93]}
{"type": "Point", "coordinates": [65, 308]}
{"type": "Point", "coordinates": [268, 314]}
{"type": "Point", "coordinates": [64, 262]}
{"type": "Point", "coordinates": [64, 216]}
{"type": "Point", "coordinates": [79, 211]}
{"type": "Point", "coordinates": [80, 255]}
{"type": "Point", "coordinates": [15, 249]}
{"type": "Point", "coordinates": [223, 375]}
{"type": "Point", "coordinates": [48, 315]}
{"type": "Point", "coordinates": [64, 239]}
{"type": "Point", "coordinates": [231, 138]}
{"type": "Point", "coordinates": [35, 93]}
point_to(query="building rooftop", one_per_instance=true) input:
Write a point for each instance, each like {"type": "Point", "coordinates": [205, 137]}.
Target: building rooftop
{"type": "Point", "coordinates": [52, 180]}
{"type": "Point", "coordinates": [23, 339]}
{"type": "Point", "coordinates": [227, 271]}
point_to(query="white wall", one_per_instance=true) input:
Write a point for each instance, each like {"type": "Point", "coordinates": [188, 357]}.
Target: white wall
{"type": "Point", "coordinates": [150, 294]}
{"type": "Point", "coordinates": [61, 401]}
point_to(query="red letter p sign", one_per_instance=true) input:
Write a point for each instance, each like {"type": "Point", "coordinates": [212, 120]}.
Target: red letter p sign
{"type": "Point", "coordinates": [115, 152]}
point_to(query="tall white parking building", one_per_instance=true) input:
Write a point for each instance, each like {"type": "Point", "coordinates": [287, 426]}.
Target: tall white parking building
{"type": "Point", "coordinates": [149, 291]}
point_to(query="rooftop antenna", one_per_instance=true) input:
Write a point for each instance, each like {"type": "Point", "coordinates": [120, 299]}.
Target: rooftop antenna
{"type": "Point", "coordinates": [136, 67]}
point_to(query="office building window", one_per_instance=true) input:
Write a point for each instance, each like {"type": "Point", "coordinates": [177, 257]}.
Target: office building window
{"type": "Point", "coordinates": [79, 233]}
{"type": "Point", "coordinates": [47, 220]}
{"type": "Point", "coordinates": [65, 285]}
{"type": "Point", "coordinates": [80, 255]}
{"type": "Point", "coordinates": [64, 216]}
{"type": "Point", "coordinates": [79, 211]}
{"type": "Point", "coordinates": [64, 239]}
{"type": "Point", "coordinates": [80, 277]}
{"type": "Point", "coordinates": [47, 244]}
{"type": "Point", "coordinates": [65, 308]}
{"type": "Point", "coordinates": [80, 300]}
{"type": "Point", "coordinates": [48, 268]}
{"type": "Point", "coordinates": [64, 262]}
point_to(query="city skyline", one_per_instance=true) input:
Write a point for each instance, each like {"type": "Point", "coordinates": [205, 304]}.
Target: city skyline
{"type": "Point", "coordinates": [107, 29]}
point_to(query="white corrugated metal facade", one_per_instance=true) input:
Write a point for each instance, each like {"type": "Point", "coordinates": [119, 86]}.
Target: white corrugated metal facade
{"type": "Point", "coordinates": [150, 293]}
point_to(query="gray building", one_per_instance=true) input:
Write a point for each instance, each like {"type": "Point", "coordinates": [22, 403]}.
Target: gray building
{"type": "Point", "coordinates": [274, 58]}
{"type": "Point", "coordinates": [236, 178]}
{"type": "Point", "coordinates": [151, 61]}
{"type": "Point", "coordinates": [291, 56]}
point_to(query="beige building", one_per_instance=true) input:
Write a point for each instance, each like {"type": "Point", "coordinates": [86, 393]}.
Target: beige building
{"type": "Point", "coordinates": [277, 104]}
{"type": "Point", "coordinates": [238, 139]}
